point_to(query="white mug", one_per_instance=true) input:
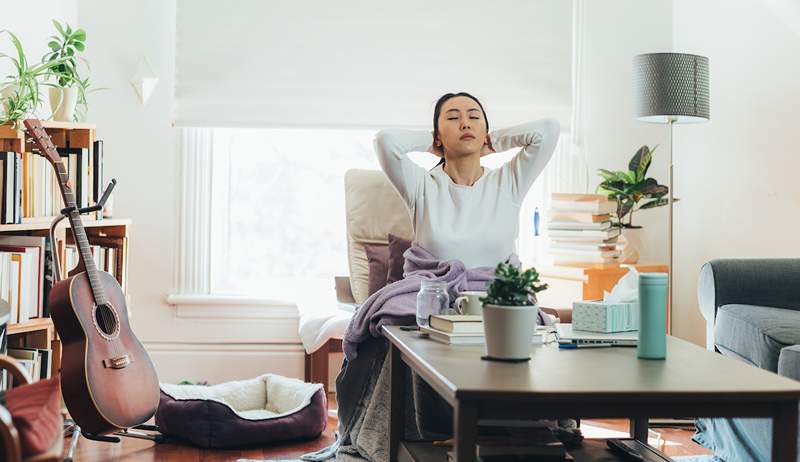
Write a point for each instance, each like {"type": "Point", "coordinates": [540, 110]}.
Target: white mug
{"type": "Point", "coordinates": [469, 302]}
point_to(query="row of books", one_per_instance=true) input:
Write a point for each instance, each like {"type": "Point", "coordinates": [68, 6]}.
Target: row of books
{"type": "Point", "coordinates": [37, 361]}
{"type": "Point", "coordinates": [580, 230]}
{"type": "Point", "coordinates": [108, 254]}
{"type": "Point", "coordinates": [26, 270]}
{"type": "Point", "coordinates": [25, 275]}
{"type": "Point", "coordinates": [29, 185]}
{"type": "Point", "coordinates": [463, 329]}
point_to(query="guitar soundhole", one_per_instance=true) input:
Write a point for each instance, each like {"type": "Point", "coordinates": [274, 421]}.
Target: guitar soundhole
{"type": "Point", "coordinates": [105, 318]}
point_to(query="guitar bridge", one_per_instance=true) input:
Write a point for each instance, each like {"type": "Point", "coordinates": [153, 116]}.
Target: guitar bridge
{"type": "Point", "coordinates": [119, 362]}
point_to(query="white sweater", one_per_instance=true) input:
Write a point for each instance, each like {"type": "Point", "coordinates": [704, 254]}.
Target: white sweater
{"type": "Point", "coordinates": [476, 224]}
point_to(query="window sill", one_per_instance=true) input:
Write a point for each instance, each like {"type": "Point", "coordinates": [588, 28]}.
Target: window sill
{"type": "Point", "coordinates": [231, 306]}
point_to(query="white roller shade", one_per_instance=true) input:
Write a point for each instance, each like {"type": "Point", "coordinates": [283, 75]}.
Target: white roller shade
{"type": "Point", "coordinates": [356, 63]}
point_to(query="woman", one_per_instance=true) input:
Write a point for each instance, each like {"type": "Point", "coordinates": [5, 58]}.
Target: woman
{"type": "Point", "coordinates": [460, 210]}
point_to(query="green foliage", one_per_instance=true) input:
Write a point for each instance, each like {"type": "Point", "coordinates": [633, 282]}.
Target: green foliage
{"type": "Point", "coordinates": [64, 59]}
{"type": "Point", "coordinates": [512, 287]}
{"type": "Point", "coordinates": [628, 188]}
{"type": "Point", "coordinates": [21, 89]}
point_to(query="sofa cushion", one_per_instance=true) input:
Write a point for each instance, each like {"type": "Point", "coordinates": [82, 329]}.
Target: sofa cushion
{"type": "Point", "coordinates": [378, 259]}
{"type": "Point", "coordinates": [397, 247]}
{"type": "Point", "coordinates": [789, 362]}
{"type": "Point", "coordinates": [756, 334]}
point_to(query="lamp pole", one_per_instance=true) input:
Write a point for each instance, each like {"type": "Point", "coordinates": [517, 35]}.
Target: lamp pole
{"type": "Point", "coordinates": [671, 122]}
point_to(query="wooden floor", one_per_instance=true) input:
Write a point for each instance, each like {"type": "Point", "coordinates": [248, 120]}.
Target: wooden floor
{"type": "Point", "coordinates": [673, 442]}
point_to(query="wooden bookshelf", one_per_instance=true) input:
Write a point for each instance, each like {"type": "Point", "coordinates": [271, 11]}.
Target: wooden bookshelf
{"type": "Point", "coordinates": [63, 134]}
{"type": "Point", "coordinates": [41, 332]}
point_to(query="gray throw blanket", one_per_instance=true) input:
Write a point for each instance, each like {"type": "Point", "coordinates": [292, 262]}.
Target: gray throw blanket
{"type": "Point", "coordinates": [362, 387]}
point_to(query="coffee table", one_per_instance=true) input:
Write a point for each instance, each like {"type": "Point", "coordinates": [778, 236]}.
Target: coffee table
{"type": "Point", "coordinates": [586, 383]}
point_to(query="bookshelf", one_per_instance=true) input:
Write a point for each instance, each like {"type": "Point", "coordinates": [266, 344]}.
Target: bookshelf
{"type": "Point", "coordinates": [39, 332]}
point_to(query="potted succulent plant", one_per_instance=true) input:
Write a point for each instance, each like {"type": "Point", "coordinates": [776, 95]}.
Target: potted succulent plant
{"type": "Point", "coordinates": [20, 90]}
{"type": "Point", "coordinates": [69, 90]}
{"type": "Point", "coordinates": [510, 311]}
{"type": "Point", "coordinates": [628, 189]}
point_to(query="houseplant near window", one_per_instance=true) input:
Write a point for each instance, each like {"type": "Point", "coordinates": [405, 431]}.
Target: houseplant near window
{"type": "Point", "coordinates": [510, 311]}
{"type": "Point", "coordinates": [20, 91]}
{"type": "Point", "coordinates": [628, 189]}
{"type": "Point", "coordinates": [69, 90]}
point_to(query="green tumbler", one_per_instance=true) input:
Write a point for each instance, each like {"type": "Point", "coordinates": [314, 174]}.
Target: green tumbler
{"type": "Point", "coordinates": [652, 316]}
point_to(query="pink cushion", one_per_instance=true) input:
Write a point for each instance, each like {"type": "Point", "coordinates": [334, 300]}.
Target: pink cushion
{"type": "Point", "coordinates": [378, 260]}
{"type": "Point", "coordinates": [397, 247]}
{"type": "Point", "coordinates": [36, 412]}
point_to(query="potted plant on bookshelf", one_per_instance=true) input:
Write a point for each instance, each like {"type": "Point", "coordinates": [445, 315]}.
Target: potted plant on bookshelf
{"type": "Point", "coordinates": [628, 189]}
{"type": "Point", "coordinates": [510, 311]}
{"type": "Point", "coordinates": [20, 90]}
{"type": "Point", "coordinates": [69, 90]}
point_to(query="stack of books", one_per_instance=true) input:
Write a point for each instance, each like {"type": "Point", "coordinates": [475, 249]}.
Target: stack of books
{"type": "Point", "coordinates": [463, 329]}
{"type": "Point", "coordinates": [580, 229]}
{"type": "Point", "coordinates": [520, 444]}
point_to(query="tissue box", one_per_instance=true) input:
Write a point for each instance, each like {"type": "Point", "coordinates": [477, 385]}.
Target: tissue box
{"type": "Point", "coordinates": [600, 316]}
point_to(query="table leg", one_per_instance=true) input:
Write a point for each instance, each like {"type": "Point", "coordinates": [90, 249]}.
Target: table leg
{"type": "Point", "coordinates": [784, 432]}
{"type": "Point", "coordinates": [465, 427]}
{"type": "Point", "coordinates": [397, 371]}
{"type": "Point", "coordinates": [639, 429]}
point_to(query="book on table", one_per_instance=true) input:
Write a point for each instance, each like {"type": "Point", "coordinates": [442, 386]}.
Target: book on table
{"type": "Point", "coordinates": [578, 217]}
{"type": "Point", "coordinates": [457, 323]}
{"type": "Point", "coordinates": [518, 444]}
{"type": "Point", "coordinates": [468, 338]}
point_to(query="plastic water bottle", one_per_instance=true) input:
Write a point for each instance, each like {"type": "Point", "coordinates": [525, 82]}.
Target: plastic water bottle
{"type": "Point", "coordinates": [432, 299]}
{"type": "Point", "coordinates": [652, 316]}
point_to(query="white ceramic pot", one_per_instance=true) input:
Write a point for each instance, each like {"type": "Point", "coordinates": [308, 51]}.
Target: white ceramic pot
{"type": "Point", "coordinates": [509, 331]}
{"type": "Point", "coordinates": [631, 239]}
{"type": "Point", "coordinates": [63, 102]}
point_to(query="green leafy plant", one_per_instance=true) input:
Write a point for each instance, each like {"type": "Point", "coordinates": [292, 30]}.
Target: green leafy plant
{"type": "Point", "coordinates": [512, 287]}
{"type": "Point", "coordinates": [64, 59]}
{"type": "Point", "coordinates": [21, 95]}
{"type": "Point", "coordinates": [628, 188]}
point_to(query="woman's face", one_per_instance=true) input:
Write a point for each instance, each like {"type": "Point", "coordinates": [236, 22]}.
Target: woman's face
{"type": "Point", "coordinates": [462, 127]}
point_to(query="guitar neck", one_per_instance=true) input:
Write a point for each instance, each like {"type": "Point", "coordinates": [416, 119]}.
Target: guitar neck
{"type": "Point", "coordinates": [79, 233]}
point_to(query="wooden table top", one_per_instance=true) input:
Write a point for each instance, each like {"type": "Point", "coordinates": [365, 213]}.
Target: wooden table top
{"type": "Point", "coordinates": [688, 373]}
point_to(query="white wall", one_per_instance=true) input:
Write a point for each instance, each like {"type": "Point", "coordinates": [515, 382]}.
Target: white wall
{"type": "Point", "coordinates": [737, 175]}
{"type": "Point", "coordinates": [141, 149]}
{"type": "Point", "coordinates": [614, 31]}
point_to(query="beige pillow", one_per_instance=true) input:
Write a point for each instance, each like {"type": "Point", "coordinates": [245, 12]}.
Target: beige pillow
{"type": "Point", "coordinates": [374, 209]}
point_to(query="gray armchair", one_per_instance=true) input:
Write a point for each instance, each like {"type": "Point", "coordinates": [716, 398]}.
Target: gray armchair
{"type": "Point", "coordinates": [752, 312]}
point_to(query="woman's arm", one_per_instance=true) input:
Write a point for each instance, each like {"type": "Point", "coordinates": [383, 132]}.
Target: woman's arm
{"type": "Point", "coordinates": [538, 140]}
{"type": "Point", "coordinates": [392, 147]}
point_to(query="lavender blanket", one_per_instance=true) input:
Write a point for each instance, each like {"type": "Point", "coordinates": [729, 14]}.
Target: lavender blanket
{"type": "Point", "coordinates": [395, 304]}
{"type": "Point", "coordinates": [362, 387]}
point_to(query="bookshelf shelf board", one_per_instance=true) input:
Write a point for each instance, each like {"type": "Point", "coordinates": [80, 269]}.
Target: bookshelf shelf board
{"type": "Point", "coordinates": [43, 223]}
{"type": "Point", "coordinates": [30, 325]}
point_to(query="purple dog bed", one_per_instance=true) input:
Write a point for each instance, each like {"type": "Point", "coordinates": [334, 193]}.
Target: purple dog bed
{"type": "Point", "coordinates": [259, 411]}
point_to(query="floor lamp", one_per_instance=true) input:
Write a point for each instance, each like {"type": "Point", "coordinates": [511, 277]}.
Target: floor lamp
{"type": "Point", "coordinates": [671, 88]}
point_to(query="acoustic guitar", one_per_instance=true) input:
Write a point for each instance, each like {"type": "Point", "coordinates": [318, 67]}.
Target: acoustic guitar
{"type": "Point", "coordinates": [107, 378]}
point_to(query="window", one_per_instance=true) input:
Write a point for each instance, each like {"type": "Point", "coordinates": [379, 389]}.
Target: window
{"type": "Point", "coordinates": [278, 216]}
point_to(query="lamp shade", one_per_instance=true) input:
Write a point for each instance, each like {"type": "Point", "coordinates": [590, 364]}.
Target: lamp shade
{"type": "Point", "coordinates": [671, 86]}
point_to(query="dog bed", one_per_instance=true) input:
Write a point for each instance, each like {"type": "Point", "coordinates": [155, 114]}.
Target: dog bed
{"type": "Point", "coordinates": [267, 409]}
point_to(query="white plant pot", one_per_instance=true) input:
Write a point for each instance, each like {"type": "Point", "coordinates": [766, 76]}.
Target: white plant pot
{"type": "Point", "coordinates": [631, 239]}
{"type": "Point", "coordinates": [63, 102]}
{"type": "Point", "coordinates": [509, 331]}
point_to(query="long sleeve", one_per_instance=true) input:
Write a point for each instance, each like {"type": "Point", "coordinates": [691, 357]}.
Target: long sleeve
{"type": "Point", "coordinates": [538, 140]}
{"type": "Point", "coordinates": [392, 147]}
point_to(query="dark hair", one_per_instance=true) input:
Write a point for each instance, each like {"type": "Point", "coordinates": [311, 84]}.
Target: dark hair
{"type": "Point", "coordinates": [437, 110]}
